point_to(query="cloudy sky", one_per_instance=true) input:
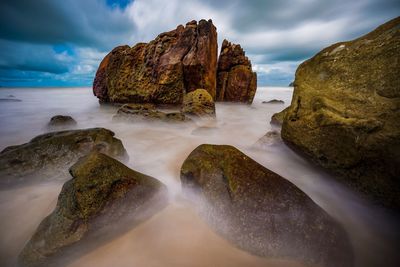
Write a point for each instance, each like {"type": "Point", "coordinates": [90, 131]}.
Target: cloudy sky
{"type": "Point", "coordinates": [60, 43]}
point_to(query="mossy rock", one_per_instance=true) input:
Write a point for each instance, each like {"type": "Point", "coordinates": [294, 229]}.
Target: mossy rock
{"type": "Point", "coordinates": [260, 211]}
{"type": "Point", "coordinates": [48, 156]}
{"type": "Point", "coordinates": [199, 103]}
{"type": "Point", "coordinates": [103, 199]}
{"type": "Point", "coordinates": [345, 112]}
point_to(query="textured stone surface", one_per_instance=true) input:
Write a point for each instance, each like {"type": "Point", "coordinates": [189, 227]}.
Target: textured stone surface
{"type": "Point", "coordinates": [49, 156]}
{"type": "Point", "coordinates": [198, 103]}
{"type": "Point", "coordinates": [104, 198]}
{"type": "Point", "coordinates": [147, 112]}
{"type": "Point", "coordinates": [163, 70]}
{"type": "Point", "coordinates": [260, 211]}
{"type": "Point", "coordinates": [345, 112]}
{"type": "Point", "coordinates": [236, 82]}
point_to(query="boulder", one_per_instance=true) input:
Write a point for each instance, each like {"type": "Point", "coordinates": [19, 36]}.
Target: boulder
{"type": "Point", "coordinates": [291, 84]}
{"type": "Point", "coordinates": [261, 212]}
{"type": "Point", "coordinates": [103, 199]}
{"type": "Point", "coordinates": [49, 156]}
{"type": "Point", "coordinates": [198, 103]}
{"type": "Point", "coordinates": [61, 121]}
{"type": "Point", "coordinates": [162, 71]}
{"type": "Point", "coordinates": [236, 82]}
{"type": "Point", "coordinates": [345, 112]}
{"type": "Point", "coordinates": [148, 113]}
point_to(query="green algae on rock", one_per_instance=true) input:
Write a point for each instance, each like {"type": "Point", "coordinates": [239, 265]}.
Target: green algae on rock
{"type": "Point", "coordinates": [260, 211]}
{"type": "Point", "coordinates": [345, 112]}
{"type": "Point", "coordinates": [103, 199]}
{"type": "Point", "coordinates": [198, 103]}
{"type": "Point", "coordinates": [48, 156]}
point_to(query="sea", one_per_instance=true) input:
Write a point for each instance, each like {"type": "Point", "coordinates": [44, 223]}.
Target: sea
{"type": "Point", "coordinates": [177, 236]}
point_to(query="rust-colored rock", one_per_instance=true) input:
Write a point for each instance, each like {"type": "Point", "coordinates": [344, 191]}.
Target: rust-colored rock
{"type": "Point", "coordinates": [162, 71]}
{"type": "Point", "coordinates": [236, 82]}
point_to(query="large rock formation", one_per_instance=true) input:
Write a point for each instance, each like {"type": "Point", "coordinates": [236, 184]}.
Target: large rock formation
{"type": "Point", "coordinates": [163, 70]}
{"type": "Point", "coordinates": [104, 198]}
{"type": "Point", "coordinates": [345, 112]}
{"type": "Point", "coordinates": [49, 156]}
{"type": "Point", "coordinates": [236, 82]}
{"type": "Point", "coordinates": [260, 211]}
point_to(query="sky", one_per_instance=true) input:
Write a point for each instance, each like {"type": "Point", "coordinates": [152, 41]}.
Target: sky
{"type": "Point", "coordinates": [61, 43]}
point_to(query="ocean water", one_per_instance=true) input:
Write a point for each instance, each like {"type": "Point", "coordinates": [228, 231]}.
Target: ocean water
{"type": "Point", "coordinates": [177, 236]}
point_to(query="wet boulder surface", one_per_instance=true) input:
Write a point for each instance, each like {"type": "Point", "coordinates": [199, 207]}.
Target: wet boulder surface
{"type": "Point", "coordinates": [48, 156]}
{"type": "Point", "coordinates": [260, 211]}
{"type": "Point", "coordinates": [345, 112]}
{"type": "Point", "coordinates": [103, 199]}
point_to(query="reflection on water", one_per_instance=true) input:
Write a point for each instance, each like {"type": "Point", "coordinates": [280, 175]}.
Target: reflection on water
{"type": "Point", "coordinates": [176, 236]}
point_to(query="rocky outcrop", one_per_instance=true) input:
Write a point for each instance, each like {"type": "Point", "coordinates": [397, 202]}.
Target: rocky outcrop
{"type": "Point", "coordinates": [345, 112]}
{"type": "Point", "coordinates": [198, 103]}
{"type": "Point", "coordinates": [49, 156]}
{"type": "Point", "coordinates": [104, 198]}
{"type": "Point", "coordinates": [147, 112]}
{"type": "Point", "coordinates": [291, 84]}
{"type": "Point", "coordinates": [162, 71]}
{"type": "Point", "coordinates": [61, 121]}
{"type": "Point", "coordinates": [236, 82]}
{"type": "Point", "coordinates": [260, 211]}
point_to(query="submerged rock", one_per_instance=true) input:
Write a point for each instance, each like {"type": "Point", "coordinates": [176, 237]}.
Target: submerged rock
{"type": "Point", "coordinates": [104, 198]}
{"type": "Point", "coordinates": [204, 131]}
{"type": "Point", "coordinates": [198, 103]}
{"type": "Point", "coordinates": [147, 112]}
{"type": "Point", "coordinates": [49, 156]}
{"type": "Point", "coordinates": [236, 82]}
{"type": "Point", "coordinates": [162, 71]}
{"type": "Point", "coordinates": [274, 101]}
{"type": "Point", "coordinates": [61, 121]}
{"type": "Point", "coordinates": [260, 211]}
{"type": "Point", "coordinates": [345, 112]}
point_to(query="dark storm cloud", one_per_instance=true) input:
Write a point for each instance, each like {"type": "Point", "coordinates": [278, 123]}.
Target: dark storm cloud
{"type": "Point", "coordinates": [88, 23]}
{"type": "Point", "coordinates": [65, 40]}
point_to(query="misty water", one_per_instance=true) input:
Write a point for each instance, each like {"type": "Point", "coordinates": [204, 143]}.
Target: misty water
{"type": "Point", "coordinates": [177, 236]}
